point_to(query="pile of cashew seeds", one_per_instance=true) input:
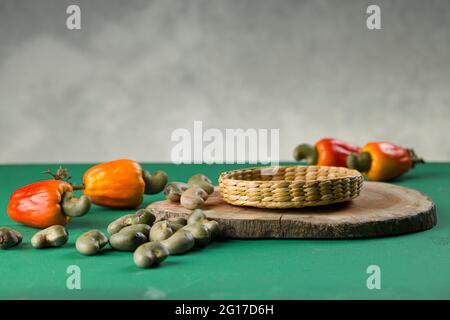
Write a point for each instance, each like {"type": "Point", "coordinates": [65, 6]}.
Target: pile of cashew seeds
{"type": "Point", "coordinates": [151, 240]}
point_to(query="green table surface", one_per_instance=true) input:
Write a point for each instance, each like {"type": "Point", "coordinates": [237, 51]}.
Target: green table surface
{"type": "Point", "coordinates": [413, 266]}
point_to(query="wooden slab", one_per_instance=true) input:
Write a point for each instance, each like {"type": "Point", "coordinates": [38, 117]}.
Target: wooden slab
{"type": "Point", "coordinates": [382, 209]}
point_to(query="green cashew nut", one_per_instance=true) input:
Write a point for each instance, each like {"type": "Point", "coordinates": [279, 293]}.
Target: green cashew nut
{"type": "Point", "coordinates": [91, 242]}
{"type": "Point", "coordinates": [306, 151]}
{"type": "Point", "coordinates": [360, 162]}
{"type": "Point", "coordinates": [213, 228]}
{"type": "Point", "coordinates": [180, 242]}
{"type": "Point", "coordinates": [161, 230]}
{"type": "Point", "coordinates": [142, 228]}
{"type": "Point", "coordinates": [178, 220]}
{"type": "Point", "coordinates": [177, 223]}
{"type": "Point", "coordinates": [201, 234]}
{"type": "Point", "coordinates": [116, 226]}
{"type": "Point", "coordinates": [127, 240]}
{"type": "Point", "coordinates": [196, 216]}
{"type": "Point", "coordinates": [150, 254]}
{"type": "Point", "coordinates": [173, 190]}
{"type": "Point", "coordinates": [154, 182]}
{"type": "Point", "coordinates": [202, 181]}
{"type": "Point", "coordinates": [193, 198]}
{"type": "Point", "coordinates": [142, 216]}
{"type": "Point", "coordinates": [54, 236]}
{"type": "Point", "coordinates": [176, 226]}
{"type": "Point", "coordinates": [75, 207]}
{"type": "Point", "coordinates": [9, 238]}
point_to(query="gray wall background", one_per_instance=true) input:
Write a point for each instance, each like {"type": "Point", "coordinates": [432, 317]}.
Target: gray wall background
{"type": "Point", "coordinates": [137, 70]}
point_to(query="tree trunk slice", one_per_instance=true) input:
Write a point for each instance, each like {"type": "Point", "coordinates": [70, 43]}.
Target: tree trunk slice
{"type": "Point", "coordinates": [382, 209]}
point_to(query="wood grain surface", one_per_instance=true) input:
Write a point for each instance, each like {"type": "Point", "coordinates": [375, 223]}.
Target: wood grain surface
{"type": "Point", "coordinates": [382, 209]}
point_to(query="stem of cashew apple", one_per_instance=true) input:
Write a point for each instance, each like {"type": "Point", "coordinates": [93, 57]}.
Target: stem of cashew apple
{"type": "Point", "coordinates": [62, 174]}
{"type": "Point", "coordinates": [414, 157]}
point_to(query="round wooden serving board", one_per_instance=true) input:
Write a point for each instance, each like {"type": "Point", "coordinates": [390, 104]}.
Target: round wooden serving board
{"type": "Point", "coordinates": [382, 209]}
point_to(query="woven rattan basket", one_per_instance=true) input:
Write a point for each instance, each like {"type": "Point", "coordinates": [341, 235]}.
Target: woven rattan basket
{"type": "Point", "coordinates": [284, 187]}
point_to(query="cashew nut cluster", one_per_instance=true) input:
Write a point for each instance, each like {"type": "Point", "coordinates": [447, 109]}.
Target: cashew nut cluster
{"type": "Point", "coordinates": [175, 236]}
{"type": "Point", "coordinates": [152, 242]}
{"type": "Point", "coordinates": [143, 216]}
{"type": "Point", "coordinates": [192, 195]}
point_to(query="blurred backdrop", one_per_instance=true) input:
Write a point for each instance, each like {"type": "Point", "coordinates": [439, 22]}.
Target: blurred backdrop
{"type": "Point", "coordinates": [137, 70]}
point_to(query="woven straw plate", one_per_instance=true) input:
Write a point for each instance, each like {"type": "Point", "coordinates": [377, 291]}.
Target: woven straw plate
{"type": "Point", "coordinates": [284, 187]}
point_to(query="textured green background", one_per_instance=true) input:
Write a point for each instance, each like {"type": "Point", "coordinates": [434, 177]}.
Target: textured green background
{"type": "Point", "coordinates": [414, 266]}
